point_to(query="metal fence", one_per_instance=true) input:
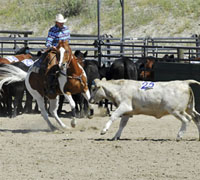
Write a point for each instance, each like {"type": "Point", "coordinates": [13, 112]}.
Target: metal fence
{"type": "Point", "coordinates": [107, 48]}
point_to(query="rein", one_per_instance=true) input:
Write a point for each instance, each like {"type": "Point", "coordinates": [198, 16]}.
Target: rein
{"type": "Point", "coordinates": [52, 59]}
{"type": "Point", "coordinates": [68, 63]}
{"type": "Point", "coordinates": [72, 77]}
{"type": "Point", "coordinates": [77, 77]}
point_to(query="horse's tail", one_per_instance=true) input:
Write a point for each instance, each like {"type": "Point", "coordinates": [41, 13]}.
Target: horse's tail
{"type": "Point", "coordinates": [10, 73]}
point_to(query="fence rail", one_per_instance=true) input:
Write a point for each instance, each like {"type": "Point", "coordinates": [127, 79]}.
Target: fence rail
{"type": "Point", "coordinates": [109, 47]}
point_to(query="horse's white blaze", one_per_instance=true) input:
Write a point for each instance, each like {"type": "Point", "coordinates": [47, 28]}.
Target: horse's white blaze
{"type": "Point", "coordinates": [62, 51]}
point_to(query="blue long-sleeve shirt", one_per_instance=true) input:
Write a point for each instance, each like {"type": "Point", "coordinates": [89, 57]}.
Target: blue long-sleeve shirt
{"type": "Point", "coordinates": [55, 34]}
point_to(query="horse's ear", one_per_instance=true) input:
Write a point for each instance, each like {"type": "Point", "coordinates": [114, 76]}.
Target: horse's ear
{"type": "Point", "coordinates": [39, 53]}
{"type": "Point", "coordinates": [85, 54]}
{"type": "Point", "coordinates": [77, 52]}
{"type": "Point", "coordinates": [59, 42]}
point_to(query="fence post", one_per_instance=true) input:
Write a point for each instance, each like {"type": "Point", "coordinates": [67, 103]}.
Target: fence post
{"type": "Point", "coordinates": [2, 49]}
{"type": "Point", "coordinates": [180, 53]}
{"type": "Point", "coordinates": [96, 46]}
{"type": "Point", "coordinates": [99, 52]}
{"type": "Point", "coordinates": [108, 47]}
{"type": "Point", "coordinates": [197, 44]}
{"type": "Point", "coordinates": [197, 38]}
{"type": "Point", "coordinates": [144, 48]}
{"type": "Point", "coordinates": [25, 42]}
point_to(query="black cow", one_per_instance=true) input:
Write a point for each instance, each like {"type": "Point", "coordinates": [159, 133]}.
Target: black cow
{"type": "Point", "coordinates": [123, 68]}
{"type": "Point", "coordinates": [92, 71]}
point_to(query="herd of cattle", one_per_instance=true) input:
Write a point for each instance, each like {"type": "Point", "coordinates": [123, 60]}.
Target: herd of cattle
{"type": "Point", "coordinates": [122, 83]}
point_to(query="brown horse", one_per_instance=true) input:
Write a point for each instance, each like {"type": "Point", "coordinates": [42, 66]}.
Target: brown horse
{"type": "Point", "coordinates": [148, 73]}
{"type": "Point", "coordinates": [71, 79]}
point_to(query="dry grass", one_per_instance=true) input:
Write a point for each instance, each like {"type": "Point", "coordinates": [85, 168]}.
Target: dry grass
{"type": "Point", "coordinates": [142, 17]}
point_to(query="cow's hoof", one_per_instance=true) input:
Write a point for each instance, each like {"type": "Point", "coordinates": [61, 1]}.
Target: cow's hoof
{"type": "Point", "coordinates": [178, 138]}
{"type": "Point", "coordinates": [73, 122]}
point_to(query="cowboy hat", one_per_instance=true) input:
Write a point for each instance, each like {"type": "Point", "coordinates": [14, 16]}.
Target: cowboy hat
{"type": "Point", "coordinates": [60, 18]}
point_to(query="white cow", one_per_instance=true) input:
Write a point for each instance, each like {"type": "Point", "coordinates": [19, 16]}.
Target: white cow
{"type": "Point", "coordinates": [149, 98]}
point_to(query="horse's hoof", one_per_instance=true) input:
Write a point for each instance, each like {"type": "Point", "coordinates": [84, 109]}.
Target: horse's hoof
{"type": "Point", "coordinates": [53, 128]}
{"type": "Point", "coordinates": [115, 139]}
{"type": "Point", "coordinates": [73, 123]}
{"type": "Point", "coordinates": [103, 132]}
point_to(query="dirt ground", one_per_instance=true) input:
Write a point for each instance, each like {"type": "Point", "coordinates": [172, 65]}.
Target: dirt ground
{"type": "Point", "coordinates": [148, 150]}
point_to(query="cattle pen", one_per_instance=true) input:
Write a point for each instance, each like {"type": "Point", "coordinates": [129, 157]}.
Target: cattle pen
{"type": "Point", "coordinates": [106, 48]}
{"type": "Point", "coordinates": [147, 149]}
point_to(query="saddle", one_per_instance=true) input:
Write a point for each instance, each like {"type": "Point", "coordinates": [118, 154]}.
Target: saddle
{"type": "Point", "coordinates": [39, 65]}
{"type": "Point", "coordinates": [51, 81]}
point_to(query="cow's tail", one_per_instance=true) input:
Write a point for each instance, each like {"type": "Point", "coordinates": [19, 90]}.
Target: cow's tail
{"type": "Point", "coordinates": [10, 73]}
{"type": "Point", "coordinates": [191, 81]}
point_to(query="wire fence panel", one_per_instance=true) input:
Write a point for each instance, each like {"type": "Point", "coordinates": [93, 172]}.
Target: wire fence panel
{"type": "Point", "coordinates": [109, 47]}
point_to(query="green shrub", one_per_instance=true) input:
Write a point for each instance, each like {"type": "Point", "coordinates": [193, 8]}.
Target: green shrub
{"type": "Point", "coordinates": [72, 7]}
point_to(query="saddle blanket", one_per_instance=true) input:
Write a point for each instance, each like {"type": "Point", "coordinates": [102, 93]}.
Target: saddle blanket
{"type": "Point", "coordinates": [28, 62]}
{"type": "Point", "coordinates": [36, 66]}
{"type": "Point", "coordinates": [11, 59]}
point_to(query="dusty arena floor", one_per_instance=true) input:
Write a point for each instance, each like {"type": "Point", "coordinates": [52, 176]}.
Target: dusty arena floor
{"type": "Point", "coordinates": [147, 151]}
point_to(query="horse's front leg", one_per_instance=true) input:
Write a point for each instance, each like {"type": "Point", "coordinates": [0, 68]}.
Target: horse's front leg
{"type": "Point", "coordinates": [53, 110]}
{"type": "Point", "coordinates": [72, 105]}
{"type": "Point", "coordinates": [87, 97]}
{"type": "Point", "coordinates": [62, 79]}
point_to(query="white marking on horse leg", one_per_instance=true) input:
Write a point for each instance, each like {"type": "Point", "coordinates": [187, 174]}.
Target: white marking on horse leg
{"type": "Point", "coordinates": [70, 100]}
{"type": "Point", "coordinates": [123, 123]}
{"type": "Point", "coordinates": [40, 101]}
{"type": "Point", "coordinates": [72, 105]}
{"type": "Point", "coordinates": [62, 80]}
{"type": "Point", "coordinates": [44, 113]}
{"type": "Point", "coordinates": [87, 96]}
{"type": "Point", "coordinates": [53, 110]}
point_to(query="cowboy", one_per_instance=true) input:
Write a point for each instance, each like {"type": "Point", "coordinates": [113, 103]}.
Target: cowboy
{"type": "Point", "coordinates": [58, 32]}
